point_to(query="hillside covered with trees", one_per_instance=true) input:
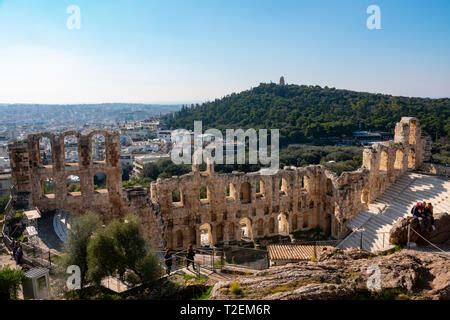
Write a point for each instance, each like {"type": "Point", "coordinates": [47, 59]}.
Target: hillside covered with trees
{"type": "Point", "coordinates": [304, 114]}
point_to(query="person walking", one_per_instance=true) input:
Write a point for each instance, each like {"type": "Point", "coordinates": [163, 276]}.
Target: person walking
{"type": "Point", "coordinates": [168, 261]}
{"type": "Point", "coordinates": [190, 257]}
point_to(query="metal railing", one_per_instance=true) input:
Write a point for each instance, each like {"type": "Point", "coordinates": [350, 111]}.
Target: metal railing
{"type": "Point", "coordinates": [32, 254]}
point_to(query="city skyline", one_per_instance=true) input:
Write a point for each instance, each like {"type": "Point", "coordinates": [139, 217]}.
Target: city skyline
{"type": "Point", "coordinates": [192, 51]}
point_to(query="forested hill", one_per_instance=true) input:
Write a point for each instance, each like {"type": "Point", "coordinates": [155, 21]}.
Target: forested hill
{"type": "Point", "coordinates": [306, 113]}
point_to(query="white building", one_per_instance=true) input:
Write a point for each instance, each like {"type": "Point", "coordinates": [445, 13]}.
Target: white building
{"type": "Point", "coordinates": [140, 161]}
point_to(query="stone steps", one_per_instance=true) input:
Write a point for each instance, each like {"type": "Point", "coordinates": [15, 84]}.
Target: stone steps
{"type": "Point", "coordinates": [395, 203]}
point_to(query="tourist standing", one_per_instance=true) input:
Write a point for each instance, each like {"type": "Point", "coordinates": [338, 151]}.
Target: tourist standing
{"type": "Point", "coordinates": [168, 261]}
{"type": "Point", "coordinates": [190, 257]}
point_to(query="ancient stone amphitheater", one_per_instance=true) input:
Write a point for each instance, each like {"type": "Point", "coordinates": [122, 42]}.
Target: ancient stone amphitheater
{"type": "Point", "coordinates": [207, 208]}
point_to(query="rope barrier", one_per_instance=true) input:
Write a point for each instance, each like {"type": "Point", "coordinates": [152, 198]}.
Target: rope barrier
{"type": "Point", "coordinates": [432, 244]}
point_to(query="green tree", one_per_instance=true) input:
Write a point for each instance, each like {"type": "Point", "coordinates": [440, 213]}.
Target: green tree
{"type": "Point", "coordinates": [120, 250]}
{"type": "Point", "coordinates": [3, 202]}
{"type": "Point", "coordinates": [10, 281]}
{"type": "Point", "coordinates": [79, 235]}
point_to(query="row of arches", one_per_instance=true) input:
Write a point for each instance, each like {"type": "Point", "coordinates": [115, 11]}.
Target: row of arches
{"type": "Point", "coordinates": [71, 149]}
{"type": "Point", "coordinates": [243, 230]}
{"type": "Point", "coordinates": [73, 185]}
{"type": "Point", "coordinates": [399, 160]}
{"type": "Point", "coordinates": [245, 191]}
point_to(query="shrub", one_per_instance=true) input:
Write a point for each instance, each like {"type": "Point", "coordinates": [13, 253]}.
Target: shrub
{"type": "Point", "coordinates": [10, 281]}
{"type": "Point", "coordinates": [235, 288]}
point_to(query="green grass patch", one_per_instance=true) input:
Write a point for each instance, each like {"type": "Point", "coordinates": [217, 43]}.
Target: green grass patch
{"type": "Point", "coordinates": [205, 295]}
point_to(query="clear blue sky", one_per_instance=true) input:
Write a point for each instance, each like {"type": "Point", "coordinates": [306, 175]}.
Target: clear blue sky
{"type": "Point", "coordinates": [195, 50]}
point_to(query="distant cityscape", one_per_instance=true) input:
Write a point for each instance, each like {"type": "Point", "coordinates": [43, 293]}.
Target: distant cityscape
{"type": "Point", "coordinates": [143, 136]}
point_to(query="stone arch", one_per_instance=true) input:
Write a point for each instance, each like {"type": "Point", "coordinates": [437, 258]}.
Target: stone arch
{"type": "Point", "coordinates": [307, 183]}
{"type": "Point", "coordinates": [98, 147]}
{"type": "Point", "coordinates": [283, 186]}
{"type": "Point", "coordinates": [260, 189]}
{"type": "Point", "coordinates": [204, 194]}
{"type": "Point", "coordinates": [230, 191]}
{"type": "Point", "coordinates": [219, 232]}
{"type": "Point", "coordinates": [45, 151]}
{"type": "Point", "coordinates": [70, 143]}
{"type": "Point", "coordinates": [48, 188]}
{"type": "Point", "coordinates": [412, 159]}
{"type": "Point", "coordinates": [329, 187]}
{"type": "Point", "coordinates": [73, 185]}
{"type": "Point", "coordinates": [246, 192]}
{"type": "Point", "coordinates": [206, 239]}
{"type": "Point", "coordinates": [245, 228]}
{"type": "Point", "coordinates": [177, 197]}
{"type": "Point", "coordinates": [100, 181]}
{"type": "Point", "coordinates": [231, 231]}
{"type": "Point", "coordinates": [260, 227]}
{"type": "Point", "coordinates": [399, 156]}
{"type": "Point", "coordinates": [384, 161]}
{"type": "Point", "coordinates": [294, 222]}
{"type": "Point", "coordinates": [271, 225]}
{"type": "Point", "coordinates": [179, 239]}
{"type": "Point", "coordinates": [305, 224]}
{"type": "Point", "coordinates": [283, 224]}
{"type": "Point", "coordinates": [365, 197]}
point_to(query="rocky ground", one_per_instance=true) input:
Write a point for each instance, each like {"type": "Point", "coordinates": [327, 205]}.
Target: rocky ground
{"type": "Point", "coordinates": [345, 275]}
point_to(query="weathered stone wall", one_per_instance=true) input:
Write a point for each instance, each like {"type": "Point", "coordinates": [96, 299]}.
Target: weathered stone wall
{"type": "Point", "coordinates": [294, 198]}
{"type": "Point", "coordinates": [177, 210]}
{"type": "Point", "coordinates": [436, 169]}
{"type": "Point", "coordinates": [30, 173]}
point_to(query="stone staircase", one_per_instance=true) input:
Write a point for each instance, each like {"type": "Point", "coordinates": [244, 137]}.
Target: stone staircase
{"type": "Point", "coordinates": [371, 227]}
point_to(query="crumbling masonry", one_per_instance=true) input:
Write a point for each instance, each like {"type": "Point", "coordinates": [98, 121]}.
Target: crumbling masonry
{"type": "Point", "coordinates": [207, 207]}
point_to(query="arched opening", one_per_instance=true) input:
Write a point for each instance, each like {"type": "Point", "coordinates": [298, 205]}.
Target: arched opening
{"type": "Point", "coordinates": [365, 197]}
{"type": "Point", "coordinates": [206, 235]}
{"type": "Point", "coordinates": [230, 192]}
{"type": "Point", "coordinates": [49, 188]}
{"type": "Point", "coordinates": [100, 182]}
{"type": "Point", "coordinates": [307, 184]}
{"type": "Point", "coordinates": [260, 189]}
{"type": "Point", "coordinates": [203, 195]}
{"type": "Point", "coordinates": [179, 239]}
{"type": "Point", "coordinates": [73, 184]}
{"type": "Point", "coordinates": [71, 150]}
{"type": "Point", "coordinates": [283, 224]}
{"type": "Point", "coordinates": [398, 164]}
{"type": "Point", "coordinates": [384, 161]}
{"type": "Point", "coordinates": [329, 187]}
{"type": "Point", "coordinates": [98, 148]}
{"type": "Point", "coordinates": [246, 192]}
{"type": "Point", "coordinates": [219, 232]}
{"type": "Point", "coordinates": [177, 198]}
{"type": "Point", "coordinates": [260, 227]}
{"type": "Point", "coordinates": [294, 222]}
{"type": "Point", "coordinates": [271, 225]}
{"type": "Point", "coordinates": [231, 232]}
{"type": "Point", "coordinates": [305, 221]}
{"type": "Point", "coordinates": [412, 159]}
{"type": "Point", "coordinates": [412, 132]}
{"type": "Point", "coordinates": [246, 229]}
{"type": "Point", "coordinates": [283, 186]}
{"type": "Point", "coordinates": [45, 151]}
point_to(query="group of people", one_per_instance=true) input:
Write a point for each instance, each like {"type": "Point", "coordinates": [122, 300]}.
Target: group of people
{"type": "Point", "coordinates": [424, 213]}
{"type": "Point", "coordinates": [168, 258]}
{"type": "Point", "coordinates": [17, 252]}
